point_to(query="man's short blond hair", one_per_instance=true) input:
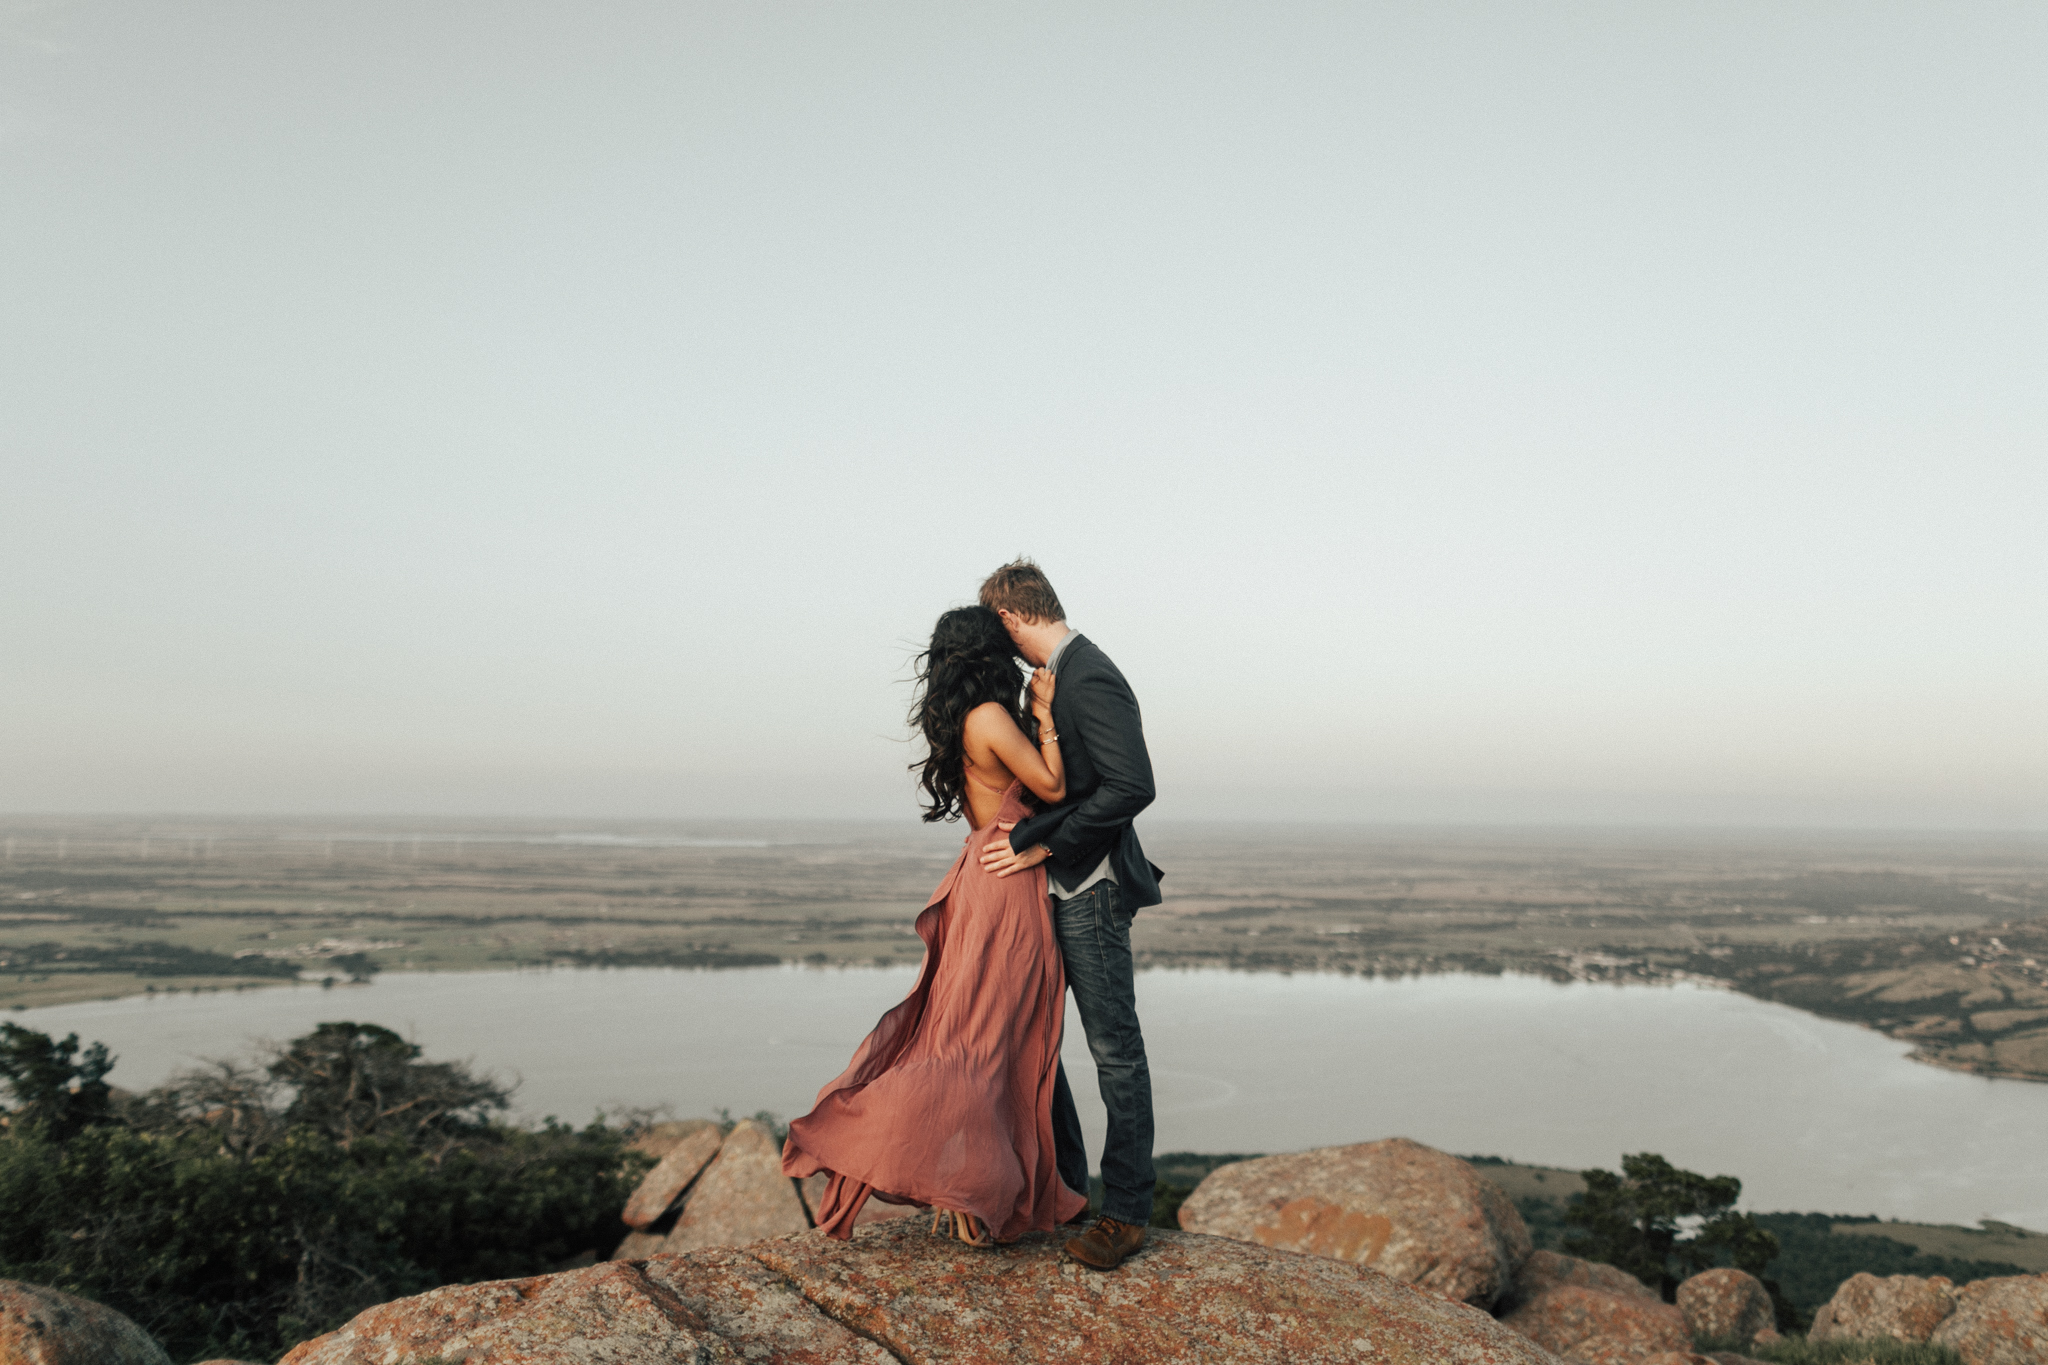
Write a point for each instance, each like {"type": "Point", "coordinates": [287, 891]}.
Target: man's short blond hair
{"type": "Point", "coordinates": [1020, 587]}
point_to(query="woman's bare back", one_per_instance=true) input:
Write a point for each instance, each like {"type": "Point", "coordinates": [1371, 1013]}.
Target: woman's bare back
{"type": "Point", "coordinates": [988, 777]}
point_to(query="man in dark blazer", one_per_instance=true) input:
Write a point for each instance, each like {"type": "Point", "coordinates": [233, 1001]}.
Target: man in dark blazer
{"type": "Point", "coordinates": [1098, 877]}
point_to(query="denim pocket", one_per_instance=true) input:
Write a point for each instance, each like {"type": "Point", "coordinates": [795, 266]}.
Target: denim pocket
{"type": "Point", "coordinates": [1112, 922]}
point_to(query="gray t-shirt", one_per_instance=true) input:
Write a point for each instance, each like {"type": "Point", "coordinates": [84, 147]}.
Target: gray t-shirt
{"type": "Point", "coordinates": [1103, 871]}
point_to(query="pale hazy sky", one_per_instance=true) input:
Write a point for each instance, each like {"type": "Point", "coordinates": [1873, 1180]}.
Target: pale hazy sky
{"type": "Point", "coordinates": [1504, 412]}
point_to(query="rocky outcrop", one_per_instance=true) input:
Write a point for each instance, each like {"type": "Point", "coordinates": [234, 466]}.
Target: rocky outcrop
{"type": "Point", "coordinates": [717, 1189]}
{"type": "Point", "coordinates": [1999, 1322]}
{"type": "Point", "coordinates": [1595, 1327]}
{"type": "Point", "coordinates": [41, 1326]}
{"type": "Point", "coordinates": [742, 1196]}
{"type": "Point", "coordinates": [1404, 1209]}
{"type": "Point", "coordinates": [898, 1294]}
{"type": "Point", "coordinates": [1903, 1307]}
{"type": "Point", "coordinates": [711, 1306]}
{"type": "Point", "coordinates": [638, 1246]}
{"type": "Point", "coordinates": [1727, 1306]}
{"type": "Point", "coordinates": [1546, 1269]}
{"type": "Point", "coordinates": [711, 1188]}
{"type": "Point", "coordinates": [659, 1139]}
{"type": "Point", "coordinates": [1700, 1358]}
{"type": "Point", "coordinates": [680, 1165]}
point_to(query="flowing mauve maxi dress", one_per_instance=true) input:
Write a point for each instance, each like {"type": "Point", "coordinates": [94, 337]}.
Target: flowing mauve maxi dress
{"type": "Point", "coordinates": [948, 1102]}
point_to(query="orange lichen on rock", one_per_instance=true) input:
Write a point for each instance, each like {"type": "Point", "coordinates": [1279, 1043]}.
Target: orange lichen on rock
{"type": "Point", "coordinates": [1404, 1209]}
{"type": "Point", "coordinates": [1999, 1322]}
{"type": "Point", "coordinates": [1545, 1269]}
{"type": "Point", "coordinates": [1323, 1229]}
{"type": "Point", "coordinates": [1599, 1328]}
{"type": "Point", "coordinates": [1903, 1307]}
{"type": "Point", "coordinates": [897, 1293]}
{"type": "Point", "coordinates": [707, 1307]}
{"type": "Point", "coordinates": [41, 1326]}
{"type": "Point", "coordinates": [1726, 1304]}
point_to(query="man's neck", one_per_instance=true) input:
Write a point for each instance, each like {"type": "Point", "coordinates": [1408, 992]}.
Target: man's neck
{"type": "Point", "coordinates": [1043, 642]}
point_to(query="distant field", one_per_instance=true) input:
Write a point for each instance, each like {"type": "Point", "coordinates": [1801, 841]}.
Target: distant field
{"type": "Point", "coordinates": [1940, 941]}
{"type": "Point", "coordinates": [1992, 1242]}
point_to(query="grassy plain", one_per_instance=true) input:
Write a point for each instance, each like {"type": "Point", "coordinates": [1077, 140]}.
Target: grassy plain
{"type": "Point", "coordinates": [1992, 1241]}
{"type": "Point", "coordinates": [1941, 940]}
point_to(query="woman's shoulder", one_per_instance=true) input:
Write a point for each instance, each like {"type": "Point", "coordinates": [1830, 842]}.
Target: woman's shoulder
{"type": "Point", "coordinates": [990, 713]}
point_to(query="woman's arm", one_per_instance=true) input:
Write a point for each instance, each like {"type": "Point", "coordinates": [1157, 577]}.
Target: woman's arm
{"type": "Point", "coordinates": [1039, 766]}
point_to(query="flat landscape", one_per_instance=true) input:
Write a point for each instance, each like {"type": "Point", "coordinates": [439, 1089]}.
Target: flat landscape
{"type": "Point", "coordinates": [1938, 940]}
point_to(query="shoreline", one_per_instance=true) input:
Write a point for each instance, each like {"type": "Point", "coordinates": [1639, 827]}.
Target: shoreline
{"type": "Point", "coordinates": [1940, 946]}
{"type": "Point", "coordinates": [1608, 971]}
{"type": "Point", "coordinates": [1242, 1062]}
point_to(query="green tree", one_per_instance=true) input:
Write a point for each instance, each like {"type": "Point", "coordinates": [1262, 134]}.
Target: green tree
{"type": "Point", "coordinates": [1661, 1224]}
{"type": "Point", "coordinates": [52, 1086]}
{"type": "Point", "coordinates": [355, 1080]}
{"type": "Point", "coordinates": [234, 1104]}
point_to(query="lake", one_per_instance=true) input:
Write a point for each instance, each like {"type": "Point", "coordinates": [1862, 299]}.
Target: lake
{"type": "Point", "coordinates": [1812, 1114]}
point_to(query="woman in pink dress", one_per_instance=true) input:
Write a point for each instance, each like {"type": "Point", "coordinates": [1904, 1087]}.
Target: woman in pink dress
{"type": "Point", "coordinates": [948, 1103]}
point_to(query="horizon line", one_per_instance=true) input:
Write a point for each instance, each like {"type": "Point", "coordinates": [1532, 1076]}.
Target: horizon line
{"type": "Point", "coordinates": [583, 822]}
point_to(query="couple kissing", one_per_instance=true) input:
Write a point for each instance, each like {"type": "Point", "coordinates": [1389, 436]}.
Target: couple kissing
{"type": "Point", "coordinates": [957, 1101]}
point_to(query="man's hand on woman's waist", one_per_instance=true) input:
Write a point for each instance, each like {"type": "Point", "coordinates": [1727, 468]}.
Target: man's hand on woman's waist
{"type": "Point", "coordinates": [998, 857]}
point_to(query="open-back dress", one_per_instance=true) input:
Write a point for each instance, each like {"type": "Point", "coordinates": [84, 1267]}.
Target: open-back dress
{"type": "Point", "coordinates": [948, 1103]}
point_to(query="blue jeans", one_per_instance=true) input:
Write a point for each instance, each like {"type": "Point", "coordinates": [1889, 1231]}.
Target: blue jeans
{"type": "Point", "coordinates": [1094, 931]}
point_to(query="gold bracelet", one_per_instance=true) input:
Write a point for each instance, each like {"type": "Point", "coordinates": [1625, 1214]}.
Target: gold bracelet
{"type": "Point", "coordinates": [1052, 738]}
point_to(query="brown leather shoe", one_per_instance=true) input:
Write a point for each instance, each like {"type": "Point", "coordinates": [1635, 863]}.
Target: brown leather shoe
{"type": "Point", "coordinates": [1104, 1246]}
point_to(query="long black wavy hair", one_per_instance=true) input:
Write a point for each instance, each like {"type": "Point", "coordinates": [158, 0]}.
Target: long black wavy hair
{"type": "Point", "coordinates": [970, 661]}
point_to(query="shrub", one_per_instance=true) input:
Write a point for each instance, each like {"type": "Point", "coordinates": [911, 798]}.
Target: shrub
{"type": "Point", "coordinates": [355, 1080]}
{"type": "Point", "coordinates": [1639, 1220]}
{"type": "Point", "coordinates": [236, 1211]}
{"type": "Point", "coordinates": [1662, 1224]}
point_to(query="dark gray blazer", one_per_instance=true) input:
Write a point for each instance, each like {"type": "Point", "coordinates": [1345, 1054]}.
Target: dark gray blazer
{"type": "Point", "coordinates": [1109, 778]}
